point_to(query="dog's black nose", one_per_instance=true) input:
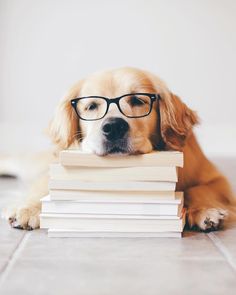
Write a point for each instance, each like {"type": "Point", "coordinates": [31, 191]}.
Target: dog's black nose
{"type": "Point", "coordinates": [115, 128]}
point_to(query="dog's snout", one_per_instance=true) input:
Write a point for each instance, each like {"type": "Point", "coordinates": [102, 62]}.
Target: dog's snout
{"type": "Point", "coordinates": [115, 128]}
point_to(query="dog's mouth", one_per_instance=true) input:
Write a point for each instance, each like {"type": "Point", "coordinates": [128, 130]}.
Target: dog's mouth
{"type": "Point", "coordinates": [119, 147]}
{"type": "Point", "coordinates": [117, 150]}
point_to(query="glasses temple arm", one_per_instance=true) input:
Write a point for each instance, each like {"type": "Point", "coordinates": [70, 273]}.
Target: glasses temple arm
{"type": "Point", "coordinates": [161, 143]}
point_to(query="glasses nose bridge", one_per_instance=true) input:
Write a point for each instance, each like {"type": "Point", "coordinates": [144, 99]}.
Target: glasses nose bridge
{"type": "Point", "coordinates": [115, 101]}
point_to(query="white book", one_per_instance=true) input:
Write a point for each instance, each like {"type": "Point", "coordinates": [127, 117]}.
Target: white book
{"type": "Point", "coordinates": [74, 207]}
{"type": "Point", "coordinates": [72, 233]}
{"type": "Point", "coordinates": [117, 223]}
{"type": "Point", "coordinates": [74, 184]}
{"type": "Point", "coordinates": [58, 171]}
{"type": "Point", "coordinates": [75, 157]}
{"type": "Point", "coordinates": [112, 196]}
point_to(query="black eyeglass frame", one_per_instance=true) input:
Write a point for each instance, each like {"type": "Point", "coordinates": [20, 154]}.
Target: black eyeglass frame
{"type": "Point", "coordinates": [115, 100]}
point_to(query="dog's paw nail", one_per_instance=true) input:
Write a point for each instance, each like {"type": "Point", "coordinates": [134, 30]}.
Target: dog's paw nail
{"type": "Point", "coordinates": [207, 221]}
{"type": "Point", "coordinates": [11, 220]}
{"type": "Point", "coordinates": [17, 226]}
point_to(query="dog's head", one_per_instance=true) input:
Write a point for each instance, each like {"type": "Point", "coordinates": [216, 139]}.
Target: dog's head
{"type": "Point", "coordinates": [127, 127]}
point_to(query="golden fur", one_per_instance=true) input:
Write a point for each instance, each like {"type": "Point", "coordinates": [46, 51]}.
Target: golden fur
{"type": "Point", "coordinates": [208, 196]}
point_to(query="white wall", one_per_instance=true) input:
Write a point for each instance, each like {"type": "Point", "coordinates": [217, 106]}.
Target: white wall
{"type": "Point", "coordinates": [47, 45]}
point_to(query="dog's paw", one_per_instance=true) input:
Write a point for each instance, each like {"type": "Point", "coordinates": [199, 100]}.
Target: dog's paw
{"type": "Point", "coordinates": [210, 219]}
{"type": "Point", "coordinates": [25, 217]}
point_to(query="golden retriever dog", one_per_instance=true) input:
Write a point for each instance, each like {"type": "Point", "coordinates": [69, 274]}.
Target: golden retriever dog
{"type": "Point", "coordinates": [131, 111]}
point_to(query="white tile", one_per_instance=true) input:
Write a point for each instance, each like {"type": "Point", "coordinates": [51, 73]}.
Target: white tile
{"type": "Point", "coordinates": [135, 275]}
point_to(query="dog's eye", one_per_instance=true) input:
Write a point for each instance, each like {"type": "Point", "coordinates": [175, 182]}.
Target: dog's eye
{"type": "Point", "coordinates": [136, 101]}
{"type": "Point", "coordinates": [91, 107]}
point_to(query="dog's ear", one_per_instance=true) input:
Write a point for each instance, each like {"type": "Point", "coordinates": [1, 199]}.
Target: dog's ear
{"type": "Point", "coordinates": [65, 123]}
{"type": "Point", "coordinates": [177, 121]}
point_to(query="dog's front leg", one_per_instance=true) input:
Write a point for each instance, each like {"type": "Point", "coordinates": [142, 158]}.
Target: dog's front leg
{"type": "Point", "coordinates": [26, 215]}
{"type": "Point", "coordinates": [209, 204]}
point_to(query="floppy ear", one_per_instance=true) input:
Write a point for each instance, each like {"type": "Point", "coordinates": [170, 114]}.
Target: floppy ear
{"type": "Point", "coordinates": [65, 123]}
{"type": "Point", "coordinates": [177, 121]}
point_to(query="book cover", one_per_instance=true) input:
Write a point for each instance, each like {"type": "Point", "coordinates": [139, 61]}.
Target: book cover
{"type": "Point", "coordinates": [73, 184]}
{"type": "Point", "coordinates": [70, 233]}
{"type": "Point", "coordinates": [161, 208]}
{"type": "Point", "coordinates": [72, 157]}
{"type": "Point", "coordinates": [122, 223]}
{"type": "Point", "coordinates": [113, 196]}
{"type": "Point", "coordinates": [58, 171]}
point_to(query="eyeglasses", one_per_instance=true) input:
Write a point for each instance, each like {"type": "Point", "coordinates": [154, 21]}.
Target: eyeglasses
{"type": "Point", "coordinates": [135, 105]}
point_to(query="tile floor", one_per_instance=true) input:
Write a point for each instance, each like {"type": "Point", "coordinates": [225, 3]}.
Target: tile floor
{"type": "Point", "coordinates": [31, 263]}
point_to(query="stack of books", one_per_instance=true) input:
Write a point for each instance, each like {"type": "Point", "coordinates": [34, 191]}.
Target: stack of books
{"type": "Point", "coordinates": [114, 196]}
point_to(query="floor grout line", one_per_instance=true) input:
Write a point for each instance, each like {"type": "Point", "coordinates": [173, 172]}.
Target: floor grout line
{"type": "Point", "coordinates": [13, 258]}
{"type": "Point", "coordinates": [223, 250]}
